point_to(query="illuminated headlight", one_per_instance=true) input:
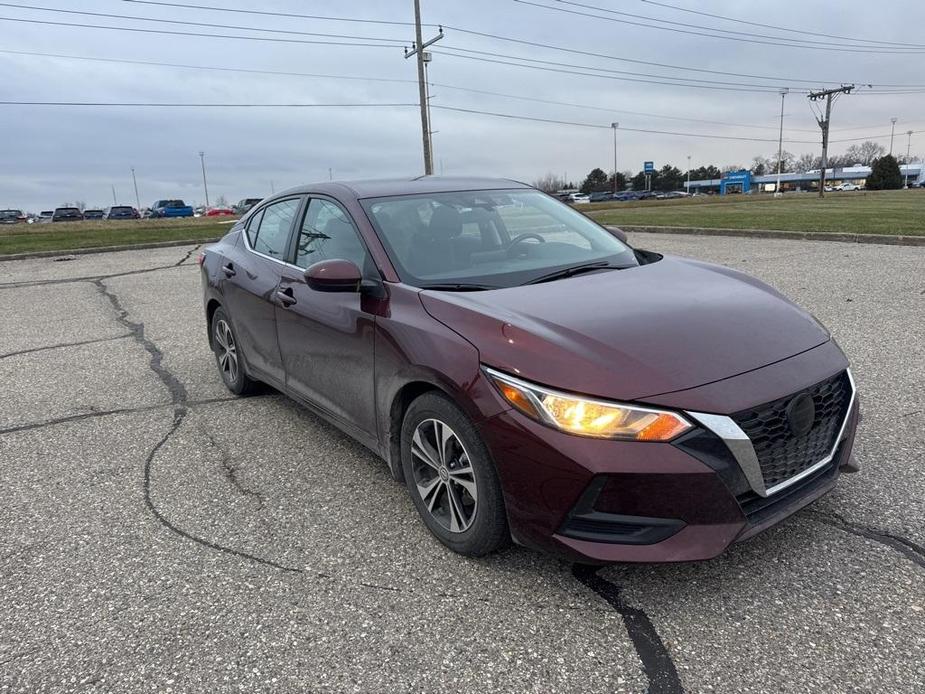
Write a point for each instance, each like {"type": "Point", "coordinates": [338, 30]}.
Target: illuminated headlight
{"type": "Point", "coordinates": [595, 418]}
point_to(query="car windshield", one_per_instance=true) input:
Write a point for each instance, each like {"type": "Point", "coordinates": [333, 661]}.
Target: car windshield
{"type": "Point", "coordinates": [174, 203]}
{"type": "Point", "coordinates": [489, 239]}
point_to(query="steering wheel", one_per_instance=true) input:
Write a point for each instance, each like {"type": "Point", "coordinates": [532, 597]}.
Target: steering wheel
{"type": "Point", "coordinates": [521, 238]}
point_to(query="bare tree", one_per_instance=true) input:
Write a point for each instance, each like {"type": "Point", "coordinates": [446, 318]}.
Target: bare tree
{"type": "Point", "coordinates": [550, 183]}
{"type": "Point", "coordinates": [221, 202]}
{"type": "Point", "coordinates": [806, 162]}
{"type": "Point", "coordinates": [864, 153]}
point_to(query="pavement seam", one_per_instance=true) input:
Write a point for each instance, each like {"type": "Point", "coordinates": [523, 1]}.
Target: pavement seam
{"type": "Point", "coordinates": [187, 256]}
{"type": "Point", "coordinates": [656, 661]}
{"type": "Point", "coordinates": [64, 344]}
{"type": "Point", "coordinates": [230, 471]}
{"type": "Point", "coordinates": [911, 550]}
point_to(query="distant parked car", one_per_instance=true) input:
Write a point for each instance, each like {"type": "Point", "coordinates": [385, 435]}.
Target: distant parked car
{"type": "Point", "coordinates": [677, 194]}
{"type": "Point", "coordinates": [600, 196]}
{"type": "Point", "coordinates": [67, 214]}
{"type": "Point", "coordinates": [171, 208]}
{"type": "Point", "coordinates": [220, 212]}
{"type": "Point", "coordinates": [122, 212]}
{"type": "Point", "coordinates": [244, 206]}
{"type": "Point", "coordinates": [626, 195]}
{"type": "Point", "coordinates": [45, 216]}
{"type": "Point", "coordinates": [579, 198]}
{"type": "Point", "coordinates": [93, 214]}
{"type": "Point", "coordinates": [646, 195]}
{"type": "Point", "coordinates": [848, 185]}
{"type": "Point", "coordinates": [12, 217]}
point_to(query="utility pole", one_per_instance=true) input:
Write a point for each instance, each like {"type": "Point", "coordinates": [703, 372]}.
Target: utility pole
{"type": "Point", "coordinates": [135, 184]}
{"type": "Point", "coordinates": [780, 141]}
{"type": "Point", "coordinates": [614, 126]}
{"type": "Point", "coordinates": [114, 202]}
{"type": "Point", "coordinates": [417, 49]}
{"type": "Point", "coordinates": [205, 186]}
{"type": "Point", "coordinates": [908, 156]}
{"type": "Point", "coordinates": [828, 95]}
{"type": "Point", "coordinates": [892, 132]}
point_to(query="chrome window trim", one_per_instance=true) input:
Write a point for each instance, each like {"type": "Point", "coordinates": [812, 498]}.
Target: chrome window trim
{"type": "Point", "coordinates": [741, 446]}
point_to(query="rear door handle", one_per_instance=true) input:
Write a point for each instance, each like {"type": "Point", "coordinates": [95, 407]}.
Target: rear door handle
{"type": "Point", "coordinates": [229, 270]}
{"type": "Point", "coordinates": [285, 297]}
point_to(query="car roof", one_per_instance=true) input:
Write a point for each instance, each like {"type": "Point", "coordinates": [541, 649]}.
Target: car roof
{"type": "Point", "coordinates": [406, 186]}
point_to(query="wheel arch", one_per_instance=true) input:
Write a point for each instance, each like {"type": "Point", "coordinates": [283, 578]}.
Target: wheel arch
{"type": "Point", "coordinates": [211, 307]}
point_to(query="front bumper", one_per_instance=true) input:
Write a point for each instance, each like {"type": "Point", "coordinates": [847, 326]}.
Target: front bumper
{"type": "Point", "coordinates": [617, 501]}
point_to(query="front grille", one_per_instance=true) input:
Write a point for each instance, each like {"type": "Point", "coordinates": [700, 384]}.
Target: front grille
{"type": "Point", "coordinates": [782, 454]}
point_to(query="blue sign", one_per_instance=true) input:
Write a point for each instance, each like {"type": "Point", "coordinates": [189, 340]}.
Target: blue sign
{"type": "Point", "coordinates": [648, 167]}
{"type": "Point", "coordinates": [737, 181]}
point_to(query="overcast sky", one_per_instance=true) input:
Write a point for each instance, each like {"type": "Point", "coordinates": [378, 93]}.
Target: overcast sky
{"type": "Point", "coordinates": [53, 155]}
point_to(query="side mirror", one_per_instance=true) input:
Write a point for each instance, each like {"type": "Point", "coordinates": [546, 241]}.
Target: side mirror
{"type": "Point", "coordinates": [334, 276]}
{"type": "Point", "coordinates": [619, 233]}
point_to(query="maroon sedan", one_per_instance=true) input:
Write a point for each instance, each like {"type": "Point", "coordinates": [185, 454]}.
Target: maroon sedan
{"type": "Point", "coordinates": [528, 374]}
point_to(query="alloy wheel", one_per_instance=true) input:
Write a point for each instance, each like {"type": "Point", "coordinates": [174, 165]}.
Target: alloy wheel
{"type": "Point", "coordinates": [443, 475]}
{"type": "Point", "coordinates": [226, 352]}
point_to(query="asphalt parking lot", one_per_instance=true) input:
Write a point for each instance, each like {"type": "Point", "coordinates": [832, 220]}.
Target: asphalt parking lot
{"type": "Point", "coordinates": [160, 535]}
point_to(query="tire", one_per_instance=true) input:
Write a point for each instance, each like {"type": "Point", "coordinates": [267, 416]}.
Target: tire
{"type": "Point", "coordinates": [230, 362]}
{"type": "Point", "coordinates": [461, 504]}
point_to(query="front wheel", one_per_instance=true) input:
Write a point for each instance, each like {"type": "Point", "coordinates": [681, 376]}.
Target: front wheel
{"type": "Point", "coordinates": [451, 478]}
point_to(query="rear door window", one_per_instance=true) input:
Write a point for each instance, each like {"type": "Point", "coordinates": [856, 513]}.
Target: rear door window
{"type": "Point", "coordinates": [269, 231]}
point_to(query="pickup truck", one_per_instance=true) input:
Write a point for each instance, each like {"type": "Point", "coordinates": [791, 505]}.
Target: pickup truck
{"type": "Point", "coordinates": [171, 208]}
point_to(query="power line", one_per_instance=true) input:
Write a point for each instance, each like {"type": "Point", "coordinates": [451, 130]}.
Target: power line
{"type": "Point", "coordinates": [498, 37]}
{"type": "Point", "coordinates": [200, 35]}
{"type": "Point", "coordinates": [457, 109]}
{"type": "Point", "coordinates": [166, 104]}
{"type": "Point", "coordinates": [546, 67]}
{"type": "Point", "coordinates": [313, 75]}
{"type": "Point", "coordinates": [268, 13]}
{"type": "Point", "coordinates": [718, 36]}
{"type": "Point", "coordinates": [778, 28]}
{"type": "Point", "coordinates": [707, 28]}
{"type": "Point", "coordinates": [107, 15]}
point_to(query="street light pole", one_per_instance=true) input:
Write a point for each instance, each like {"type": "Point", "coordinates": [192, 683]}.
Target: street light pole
{"type": "Point", "coordinates": [688, 174]}
{"type": "Point", "coordinates": [892, 130]}
{"type": "Point", "coordinates": [780, 141]}
{"type": "Point", "coordinates": [205, 185]}
{"type": "Point", "coordinates": [614, 126]}
{"type": "Point", "coordinates": [135, 184]}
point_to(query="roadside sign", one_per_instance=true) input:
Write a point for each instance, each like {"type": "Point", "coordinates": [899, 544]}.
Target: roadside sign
{"type": "Point", "coordinates": [648, 167]}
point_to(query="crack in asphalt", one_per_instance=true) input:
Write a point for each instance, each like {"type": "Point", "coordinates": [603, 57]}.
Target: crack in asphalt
{"type": "Point", "coordinates": [230, 471]}
{"type": "Point", "coordinates": [187, 256]}
{"type": "Point", "coordinates": [179, 401]}
{"type": "Point", "coordinates": [181, 405]}
{"type": "Point", "coordinates": [64, 344]}
{"type": "Point", "coordinates": [656, 661]}
{"type": "Point", "coordinates": [106, 413]}
{"type": "Point", "coordinates": [88, 278]}
{"type": "Point", "coordinates": [911, 550]}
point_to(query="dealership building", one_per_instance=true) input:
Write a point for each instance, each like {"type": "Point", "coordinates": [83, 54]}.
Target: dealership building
{"type": "Point", "coordinates": [747, 182]}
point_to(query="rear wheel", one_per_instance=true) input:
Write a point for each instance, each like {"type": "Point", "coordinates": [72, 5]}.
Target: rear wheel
{"type": "Point", "coordinates": [451, 478]}
{"type": "Point", "coordinates": [228, 356]}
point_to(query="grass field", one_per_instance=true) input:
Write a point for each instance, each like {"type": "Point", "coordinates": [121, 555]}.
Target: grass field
{"type": "Point", "coordinates": [71, 236]}
{"type": "Point", "coordinates": [888, 212]}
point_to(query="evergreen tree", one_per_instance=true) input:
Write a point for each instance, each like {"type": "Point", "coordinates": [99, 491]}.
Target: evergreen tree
{"type": "Point", "coordinates": [885, 174]}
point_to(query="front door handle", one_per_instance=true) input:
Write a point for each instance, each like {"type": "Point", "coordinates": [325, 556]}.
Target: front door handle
{"type": "Point", "coordinates": [229, 270]}
{"type": "Point", "coordinates": [285, 297]}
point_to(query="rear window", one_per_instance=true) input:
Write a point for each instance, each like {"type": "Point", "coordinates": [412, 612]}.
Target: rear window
{"type": "Point", "coordinates": [175, 203]}
{"type": "Point", "coordinates": [119, 209]}
{"type": "Point", "coordinates": [67, 210]}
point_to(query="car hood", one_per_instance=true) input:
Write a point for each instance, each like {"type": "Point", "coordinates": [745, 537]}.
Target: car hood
{"type": "Point", "coordinates": [630, 334]}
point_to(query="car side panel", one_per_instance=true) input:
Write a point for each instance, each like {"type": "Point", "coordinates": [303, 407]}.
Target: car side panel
{"type": "Point", "coordinates": [248, 298]}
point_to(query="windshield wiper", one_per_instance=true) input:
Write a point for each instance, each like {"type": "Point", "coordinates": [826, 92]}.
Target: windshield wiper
{"type": "Point", "coordinates": [574, 270]}
{"type": "Point", "coordinates": [458, 287]}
